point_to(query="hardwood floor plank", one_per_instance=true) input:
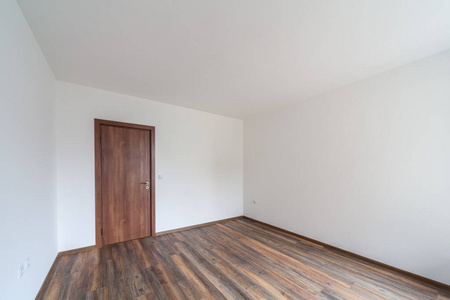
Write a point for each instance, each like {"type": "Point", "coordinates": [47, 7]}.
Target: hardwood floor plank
{"type": "Point", "coordinates": [171, 289]}
{"type": "Point", "coordinates": [393, 275]}
{"type": "Point", "coordinates": [338, 273]}
{"type": "Point", "coordinates": [236, 259]}
{"type": "Point", "coordinates": [117, 262]}
{"type": "Point", "coordinates": [76, 287]}
{"type": "Point", "coordinates": [98, 294]}
{"type": "Point", "coordinates": [64, 265]}
{"type": "Point", "coordinates": [288, 281]}
{"type": "Point", "coordinates": [206, 289]}
{"type": "Point", "coordinates": [181, 280]}
{"type": "Point", "coordinates": [119, 290]}
{"type": "Point", "coordinates": [97, 270]}
{"type": "Point", "coordinates": [220, 280]}
{"type": "Point", "coordinates": [245, 283]}
{"type": "Point", "coordinates": [443, 296]}
{"type": "Point", "coordinates": [56, 288]}
{"type": "Point", "coordinates": [138, 283]}
{"type": "Point", "coordinates": [302, 274]}
{"type": "Point", "coordinates": [145, 260]}
{"type": "Point", "coordinates": [155, 285]}
{"type": "Point", "coordinates": [367, 294]}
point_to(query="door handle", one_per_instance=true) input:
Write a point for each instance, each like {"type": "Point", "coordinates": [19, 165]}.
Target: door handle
{"type": "Point", "coordinates": [147, 184]}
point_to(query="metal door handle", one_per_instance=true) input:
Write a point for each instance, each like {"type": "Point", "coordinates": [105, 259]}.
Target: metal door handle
{"type": "Point", "coordinates": [147, 185]}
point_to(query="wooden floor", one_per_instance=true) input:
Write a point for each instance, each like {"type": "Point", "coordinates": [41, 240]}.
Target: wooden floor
{"type": "Point", "coordinates": [237, 259]}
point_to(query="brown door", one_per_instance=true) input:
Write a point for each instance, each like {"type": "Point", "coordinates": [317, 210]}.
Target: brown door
{"type": "Point", "coordinates": [126, 182]}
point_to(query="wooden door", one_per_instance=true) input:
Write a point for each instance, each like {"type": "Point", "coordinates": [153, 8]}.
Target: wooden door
{"type": "Point", "coordinates": [126, 182]}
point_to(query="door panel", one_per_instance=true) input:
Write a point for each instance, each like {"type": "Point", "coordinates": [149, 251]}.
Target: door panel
{"type": "Point", "coordinates": [125, 166]}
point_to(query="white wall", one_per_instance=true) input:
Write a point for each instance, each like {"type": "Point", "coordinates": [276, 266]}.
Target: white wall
{"type": "Point", "coordinates": [199, 154]}
{"type": "Point", "coordinates": [27, 158]}
{"type": "Point", "coordinates": [365, 168]}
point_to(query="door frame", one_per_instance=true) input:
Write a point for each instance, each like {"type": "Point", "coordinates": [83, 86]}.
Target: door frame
{"type": "Point", "coordinates": [98, 175]}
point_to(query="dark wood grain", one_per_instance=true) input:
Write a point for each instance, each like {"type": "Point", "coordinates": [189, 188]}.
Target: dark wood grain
{"type": "Point", "coordinates": [124, 158]}
{"type": "Point", "coordinates": [354, 256]}
{"type": "Point", "coordinates": [236, 259]}
{"type": "Point", "coordinates": [98, 182]}
{"type": "Point", "coordinates": [76, 250]}
{"type": "Point", "coordinates": [48, 278]}
{"type": "Point", "coordinates": [125, 199]}
{"type": "Point", "coordinates": [196, 226]}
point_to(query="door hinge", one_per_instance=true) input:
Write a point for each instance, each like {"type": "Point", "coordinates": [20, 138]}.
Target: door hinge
{"type": "Point", "coordinates": [101, 231]}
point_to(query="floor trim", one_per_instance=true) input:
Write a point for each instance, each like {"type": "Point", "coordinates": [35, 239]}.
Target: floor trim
{"type": "Point", "coordinates": [47, 278]}
{"type": "Point", "coordinates": [77, 250]}
{"type": "Point", "coordinates": [198, 225]}
{"type": "Point", "coordinates": [424, 280]}
{"type": "Point", "coordinates": [52, 268]}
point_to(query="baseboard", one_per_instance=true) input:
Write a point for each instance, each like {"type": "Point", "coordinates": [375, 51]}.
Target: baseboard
{"type": "Point", "coordinates": [198, 225]}
{"type": "Point", "coordinates": [47, 278]}
{"type": "Point", "coordinates": [73, 251]}
{"type": "Point", "coordinates": [52, 268]}
{"type": "Point", "coordinates": [424, 280]}
{"type": "Point", "coordinates": [77, 250]}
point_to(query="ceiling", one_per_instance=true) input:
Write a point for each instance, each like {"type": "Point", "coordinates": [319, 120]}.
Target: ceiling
{"type": "Point", "coordinates": [233, 57]}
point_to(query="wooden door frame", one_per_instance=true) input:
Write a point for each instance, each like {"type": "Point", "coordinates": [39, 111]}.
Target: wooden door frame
{"type": "Point", "coordinates": [98, 174]}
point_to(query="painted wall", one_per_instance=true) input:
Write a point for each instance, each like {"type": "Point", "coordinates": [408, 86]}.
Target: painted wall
{"type": "Point", "coordinates": [365, 168]}
{"type": "Point", "coordinates": [27, 158]}
{"type": "Point", "coordinates": [200, 156]}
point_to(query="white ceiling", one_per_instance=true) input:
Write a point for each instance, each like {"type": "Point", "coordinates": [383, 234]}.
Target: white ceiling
{"type": "Point", "coordinates": [233, 57]}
